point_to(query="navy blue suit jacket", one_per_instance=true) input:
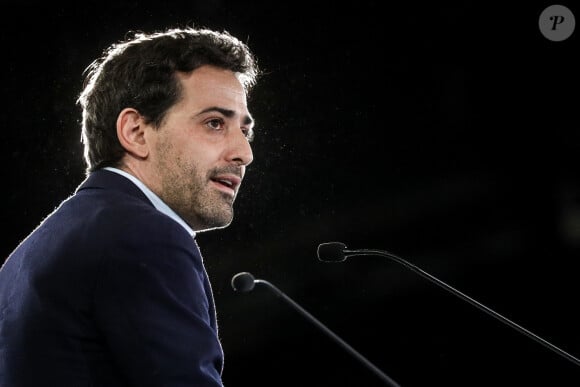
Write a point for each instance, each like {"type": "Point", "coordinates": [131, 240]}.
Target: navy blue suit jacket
{"type": "Point", "coordinates": [107, 291]}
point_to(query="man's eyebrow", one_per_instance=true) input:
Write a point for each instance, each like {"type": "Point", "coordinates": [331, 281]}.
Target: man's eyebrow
{"type": "Point", "coordinates": [228, 113]}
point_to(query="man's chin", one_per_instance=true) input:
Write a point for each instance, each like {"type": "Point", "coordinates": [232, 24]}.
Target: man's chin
{"type": "Point", "coordinates": [214, 227]}
{"type": "Point", "coordinates": [217, 221]}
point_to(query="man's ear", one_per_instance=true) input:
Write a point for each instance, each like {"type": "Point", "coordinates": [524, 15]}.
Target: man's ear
{"type": "Point", "coordinates": [131, 132]}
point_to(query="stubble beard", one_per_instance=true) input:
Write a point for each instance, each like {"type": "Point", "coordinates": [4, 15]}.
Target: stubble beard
{"type": "Point", "coordinates": [189, 193]}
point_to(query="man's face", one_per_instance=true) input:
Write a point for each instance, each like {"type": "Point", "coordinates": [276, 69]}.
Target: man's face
{"type": "Point", "coordinates": [200, 153]}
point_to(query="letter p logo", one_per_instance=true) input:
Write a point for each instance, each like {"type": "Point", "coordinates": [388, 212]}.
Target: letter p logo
{"type": "Point", "coordinates": [556, 23]}
{"type": "Point", "coordinates": [557, 19]}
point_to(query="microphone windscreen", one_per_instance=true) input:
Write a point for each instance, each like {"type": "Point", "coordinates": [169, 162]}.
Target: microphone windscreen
{"type": "Point", "coordinates": [331, 252]}
{"type": "Point", "coordinates": [243, 282]}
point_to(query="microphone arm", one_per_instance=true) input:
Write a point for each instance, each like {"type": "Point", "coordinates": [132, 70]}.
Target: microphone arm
{"type": "Point", "coordinates": [245, 282]}
{"type": "Point", "coordinates": [552, 347]}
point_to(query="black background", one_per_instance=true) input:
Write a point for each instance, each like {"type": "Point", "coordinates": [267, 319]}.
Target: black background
{"type": "Point", "coordinates": [446, 133]}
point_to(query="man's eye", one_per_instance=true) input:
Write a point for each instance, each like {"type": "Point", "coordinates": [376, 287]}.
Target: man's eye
{"type": "Point", "coordinates": [216, 123]}
{"type": "Point", "coordinates": [249, 133]}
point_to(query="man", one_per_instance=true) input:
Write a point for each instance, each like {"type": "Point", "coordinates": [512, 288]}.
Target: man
{"type": "Point", "coordinates": [110, 289]}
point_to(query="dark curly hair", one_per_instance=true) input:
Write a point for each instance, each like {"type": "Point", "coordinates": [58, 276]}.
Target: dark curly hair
{"type": "Point", "coordinates": [139, 72]}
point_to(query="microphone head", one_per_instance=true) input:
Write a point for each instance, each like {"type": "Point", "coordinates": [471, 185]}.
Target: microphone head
{"type": "Point", "coordinates": [243, 282]}
{"type": "Point", "coordinates": [331, 252]}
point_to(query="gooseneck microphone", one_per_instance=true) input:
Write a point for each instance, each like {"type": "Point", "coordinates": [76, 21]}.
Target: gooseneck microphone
{"type": "Point", "coordinates": [338, 252]}
{"type": "Point", "coordinates": [244, 282]}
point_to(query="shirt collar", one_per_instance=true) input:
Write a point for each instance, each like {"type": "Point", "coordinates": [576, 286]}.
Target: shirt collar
{"type": "Point", "coordinates": [157, 202]}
